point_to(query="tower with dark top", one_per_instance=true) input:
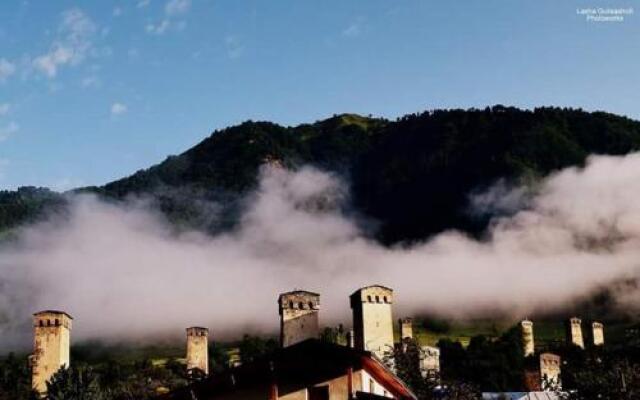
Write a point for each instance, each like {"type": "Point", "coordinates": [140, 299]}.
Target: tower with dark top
{"type": "Point", "coordinates": [298, 316]}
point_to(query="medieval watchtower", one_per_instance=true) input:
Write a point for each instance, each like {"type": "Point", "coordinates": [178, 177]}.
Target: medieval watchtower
{"type": "Point", "coordinates": [574, 332]}
{"type": "Point", "coordinates": [597, 333]}
{"type": "Point", "coordinates": [429, 361]}
{"type": "Point", "coordinates": [52, 336]}
{"type": "Point", "coordinates": [406, 328]}
{"type": "Point", "coordinates": [526, 329]}
{"type": "Point", "coordinates": [372, 319]}
{"type": "Point", "coordinates": [298, 316]}
{"type": "Point", "coordinates": [550, 371]}
{"type": "Point", "coordinates": [197, 349]}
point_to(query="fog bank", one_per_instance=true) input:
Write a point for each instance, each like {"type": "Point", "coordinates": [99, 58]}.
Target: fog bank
{"type": "Point", "coordinates": [122, 272]}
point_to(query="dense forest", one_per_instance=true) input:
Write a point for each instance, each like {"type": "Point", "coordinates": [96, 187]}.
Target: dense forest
{"type": "Point", "coordinates": [412, 176]}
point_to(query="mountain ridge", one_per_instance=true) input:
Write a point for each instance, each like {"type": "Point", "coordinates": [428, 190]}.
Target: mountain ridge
{"type": "Point", "coordinates": [413, 175]}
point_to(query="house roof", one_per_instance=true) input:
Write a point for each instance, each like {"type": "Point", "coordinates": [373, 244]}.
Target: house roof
{"type": "Point", "coordinates": [294, 368]}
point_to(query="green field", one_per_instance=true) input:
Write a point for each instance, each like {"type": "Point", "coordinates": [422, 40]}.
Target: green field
{"type": "Point", "coordinates": [546, 332]}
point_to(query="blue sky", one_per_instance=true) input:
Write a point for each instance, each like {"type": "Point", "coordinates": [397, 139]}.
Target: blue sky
{"type": "Point", "coordinates": [93, 91]}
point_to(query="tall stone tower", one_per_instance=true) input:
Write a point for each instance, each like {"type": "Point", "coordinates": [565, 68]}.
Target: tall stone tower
{"type": "Point", "coordinates": [597, 333]}
{"type": "Point", "coordinates": [526, 328]}
{"type": "Point", "coordinates": [550, 371]}
{"type": "Point", "coordinates": [198, 349]}
{"type": "Point", "coordinates": [574, 332]}
{"type": "Point", "coordinates": [52, 337]}
{"type": "Point", "coordinates": [372, 319]}
{"type": "Point", "coordinates": [406, 328]}
{"type": "Point", "coordinates": [298, 316]}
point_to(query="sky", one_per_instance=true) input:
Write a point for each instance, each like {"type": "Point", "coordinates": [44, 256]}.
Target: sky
{"type": "Point", "coordinates": [91, 91]}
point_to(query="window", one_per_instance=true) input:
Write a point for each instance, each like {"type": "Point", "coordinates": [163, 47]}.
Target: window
{"type": "Point", "coordinates": [291, 304]}
{"type": "Point", "coordinates": [385, 299]}
{"type": "Point", "coordinates": [369, 299]}
{"type": "Point", "coordinates": [372, 386]}
{"type": "Point", "coordinates": [377, 299]}
{"type": "Point", "coordinates": [310, 305]}
{"type": "Point", "coordinates": [301, 305]}
{"type": "Point", "coordinates": [319, 393]}
{"type": "Point", "coordinates": [57, 322]}
{"type": "Point", "coordinates": [41, 323]}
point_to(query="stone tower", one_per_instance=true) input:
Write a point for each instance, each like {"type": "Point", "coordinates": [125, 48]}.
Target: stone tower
{"type": "Point", "coordinates": [406, 328]}
{"type": "Point", "coordinates": [298, 316]}
{"type": "Point", "coordinates": [372, 319]}
{"type": "Point", "coordinates": [528, 344]}
{"type": "Point", "coordinates": [429, 361]}
{"type": "Point", "coordinates": [550, 371]}
{"type": "Point", "coordinates": [52, 336]}
{"type": "Point", "coordinates": [198, 349]}
{"type": "Point", "coordinates": [597, 333]}
{"type": "Point", "coordinates": [574, 332]}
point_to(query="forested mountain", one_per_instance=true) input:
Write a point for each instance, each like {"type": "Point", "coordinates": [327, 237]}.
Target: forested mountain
{"type": "Point", "coordinates": [412, 175]}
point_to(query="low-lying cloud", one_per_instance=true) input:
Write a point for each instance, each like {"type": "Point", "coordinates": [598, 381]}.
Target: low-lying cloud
{"type": "Point", "coordinates": [123, 272]}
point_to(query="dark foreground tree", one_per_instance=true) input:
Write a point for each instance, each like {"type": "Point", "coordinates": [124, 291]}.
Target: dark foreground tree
{"type": "Point", "coordinates": [75, 383]}
{"type": "Point", "coordinates": [426, 386]}
{"type": "Point", "coordinates": [15, 379]}
{"type": "Point", "coordinates": [602, 375]}
{"type": "Point", "coordinates": [493, 365]}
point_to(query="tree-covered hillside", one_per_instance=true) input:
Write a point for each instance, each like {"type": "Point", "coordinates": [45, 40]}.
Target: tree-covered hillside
{"type": "Point", "coordinates": [25, 205]}
{"type": "Point", "coordinates": [413, 175]}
